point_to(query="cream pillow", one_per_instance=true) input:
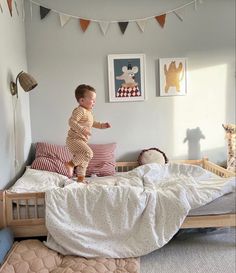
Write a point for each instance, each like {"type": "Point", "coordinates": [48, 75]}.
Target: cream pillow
{"type": "Point", "coordinates": [152, 155]}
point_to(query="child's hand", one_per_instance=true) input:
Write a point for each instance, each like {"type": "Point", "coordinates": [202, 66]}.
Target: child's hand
{"type": "Point", "coordinates": [86, 132]}
{"type": "Point", "coordinates": [106, 125]}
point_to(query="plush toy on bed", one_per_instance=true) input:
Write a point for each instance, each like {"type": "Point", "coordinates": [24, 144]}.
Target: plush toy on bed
{"type": "Point", "coordinates": [152, 155]}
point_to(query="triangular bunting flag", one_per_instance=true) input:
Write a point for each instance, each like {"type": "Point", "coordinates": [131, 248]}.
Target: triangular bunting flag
{"type": "Point", "coordinates": [9, 3]}
{"type": "Point", "coordinates": [84, 24]}
{"type": "Point", "coordinates": [141, 24]}
{"type": "Point", "coordinates": [161, 19]}
{"type": "Point", "coordinates": [43, 12]}
{"type": "Point", "coordinates": [17, 11]}
{"type": "Point", "coordinates": [178, 16]}
{"type": "Point", "coordinates": [64, 19]}
{"type": "Point", "coordinates": [123, 26]}
{"type": "Point", "coordinates": [104, 26]}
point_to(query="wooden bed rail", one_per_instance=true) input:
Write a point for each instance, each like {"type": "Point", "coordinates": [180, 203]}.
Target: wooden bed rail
{"type": "Point", "coordinates": [126, 166]}
{"type": "Point", "coordinates": [24, 213]}
{"type": "Point", "coordinates": [216, 169]}
{"type": "Point", "coordinates": [30, 222]}
{"type": "Point", "coordinates": [2, 210]}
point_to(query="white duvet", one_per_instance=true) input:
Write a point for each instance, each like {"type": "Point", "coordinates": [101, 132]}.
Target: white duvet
{"type": "Point", "coordinates": [38, 181]}
{"type": "Point", "coordinates": [131, 214]}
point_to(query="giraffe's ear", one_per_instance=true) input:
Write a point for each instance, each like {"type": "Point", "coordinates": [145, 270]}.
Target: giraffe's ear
{"type": "Point", "coordinates": [224, 126]}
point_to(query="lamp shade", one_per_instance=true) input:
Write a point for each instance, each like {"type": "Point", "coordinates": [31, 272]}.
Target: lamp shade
{"type": "Point", "coordinates": [27, 82]}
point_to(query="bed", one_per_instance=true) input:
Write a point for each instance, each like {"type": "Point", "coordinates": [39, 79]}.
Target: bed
{"type": "Point", "coordinates": [24, 213]}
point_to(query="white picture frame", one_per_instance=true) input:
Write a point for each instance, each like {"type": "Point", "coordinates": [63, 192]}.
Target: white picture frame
{"type": "Point", "coordinates": [126, 75]}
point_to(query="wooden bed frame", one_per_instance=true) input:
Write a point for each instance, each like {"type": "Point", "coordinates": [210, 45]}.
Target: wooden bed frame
{"type": "Point", "coordinates": [30, 227]}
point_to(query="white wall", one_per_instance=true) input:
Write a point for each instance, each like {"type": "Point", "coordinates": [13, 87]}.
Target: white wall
{"type": "Point", "coordinates": [12, 61]}
{"type": "Point", "coordinates": [64, 57]}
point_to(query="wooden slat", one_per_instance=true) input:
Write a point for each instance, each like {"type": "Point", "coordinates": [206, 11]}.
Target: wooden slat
{"type": "Point", "coordinates": [4, 209]}
{"type": "Point", "coordinates": [1, 210]}
{"type": "Point", "coordinates": [189, 161]}
{"type": "Point", "coordinates": [8, 209]}
{"type": "Point", "coordinates": [17, 208]}
{"type": "Point", "coordinates": [210, 166]}
{"type": "Point", "coordinates": [27, 209]}
{"type": "Point", "coordinates": [26, 222]}
{"type": "Point", "coordinates": [126, 166]}
{"type": "Point", "coordinates": [36, 208]}
{"type": "Point", "coordinates": [24, 196]}
{"type": "Point", "coordinates": [29, 231]}
{"type": "Point", "coordinates": [223, 220]}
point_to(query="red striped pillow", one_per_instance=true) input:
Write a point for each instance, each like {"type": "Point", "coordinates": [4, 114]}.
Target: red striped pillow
{"type": "Point", "coordinates": [51, 157]}
{"type": "Point", "coordinates": [103, 161]}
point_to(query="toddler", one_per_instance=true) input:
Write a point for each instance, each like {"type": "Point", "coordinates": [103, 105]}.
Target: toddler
{"type": "Point", "coordinates": [81, 122]}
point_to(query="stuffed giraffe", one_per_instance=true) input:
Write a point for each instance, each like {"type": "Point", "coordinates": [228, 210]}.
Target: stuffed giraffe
{"type": "Point", "coordinates": [230, 130]}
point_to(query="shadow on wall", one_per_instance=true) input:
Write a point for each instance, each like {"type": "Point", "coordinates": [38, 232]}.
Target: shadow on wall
{"type": "Point", "coordinates": [193, 137]}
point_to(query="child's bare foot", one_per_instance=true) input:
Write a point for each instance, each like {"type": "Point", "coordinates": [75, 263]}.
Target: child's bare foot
{"type": "Point", "coordinates": [81, 179]}
{"type": "Point", "coordinates": [70, 169]}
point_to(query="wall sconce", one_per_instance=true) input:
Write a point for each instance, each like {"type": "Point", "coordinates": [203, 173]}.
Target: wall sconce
{"type": "Point", "coordinates": [27, 82]}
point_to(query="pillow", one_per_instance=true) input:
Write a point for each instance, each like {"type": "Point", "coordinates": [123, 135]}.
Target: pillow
{"type": "Point", "coordinates": [6, 242]}
{"type": "Point", "coordinates": [51, 157]}
{"type": "Point", "coordinates": [152, 155]}
{"type": "Point", "coordinates": [103, 161]}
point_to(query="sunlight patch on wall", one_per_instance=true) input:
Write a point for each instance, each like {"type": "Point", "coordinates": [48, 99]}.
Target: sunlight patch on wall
{"type": "Point", "coordinates": [203, 107]}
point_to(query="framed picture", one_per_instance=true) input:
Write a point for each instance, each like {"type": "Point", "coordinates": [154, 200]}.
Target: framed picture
{"type": "Point", "coordinates": [172, 76]}
{"type": "Point", "coordinates": [126, 74]}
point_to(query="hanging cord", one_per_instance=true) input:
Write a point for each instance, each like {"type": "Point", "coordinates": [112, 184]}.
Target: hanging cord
{"type": "Point", "coordinates": [16, 163]}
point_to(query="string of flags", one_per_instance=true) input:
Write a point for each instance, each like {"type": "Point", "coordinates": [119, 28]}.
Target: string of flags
{"type": "Point", "coordinates": [104, 25]}
{"type": "Point", "coordinates": [10, 6]}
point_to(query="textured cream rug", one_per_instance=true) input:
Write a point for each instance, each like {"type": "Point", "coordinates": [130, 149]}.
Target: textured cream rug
{"type": "Point", "coordinates": [194, 252]}
{"type": "Point", "coordinates": [32, 256]}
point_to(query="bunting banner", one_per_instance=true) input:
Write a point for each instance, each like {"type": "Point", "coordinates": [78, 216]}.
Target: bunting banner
{"type": "Point", "coordinates": [9, 3]}
{"type": "Point", "coordinates": [64, 19]}
{"type": "Point", "coordinates": [43, 12]}
{"type": "Point", "coordinates": [104, 24]}
{"type": "Point", "coordinates": [123, 26]}
{"type": "Point", "coordinates": [84, 24]}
